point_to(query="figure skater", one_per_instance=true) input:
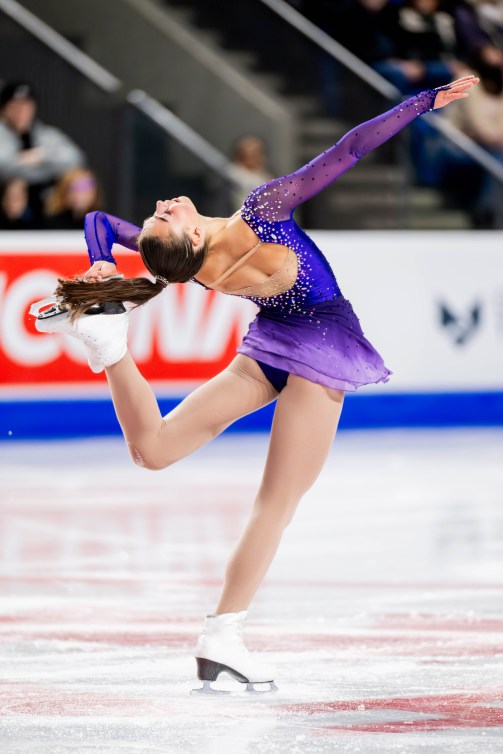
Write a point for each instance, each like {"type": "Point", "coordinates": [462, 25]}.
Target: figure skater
{"type": "Point", "coordinates": [305, 348]}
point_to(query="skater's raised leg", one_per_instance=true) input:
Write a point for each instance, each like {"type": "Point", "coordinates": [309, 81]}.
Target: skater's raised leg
{"type": "Point", "coordinates": [156, 442]}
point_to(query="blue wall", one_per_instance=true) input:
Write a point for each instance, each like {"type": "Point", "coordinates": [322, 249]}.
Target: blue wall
{"type": "Point", "coordinates": [52, 419]}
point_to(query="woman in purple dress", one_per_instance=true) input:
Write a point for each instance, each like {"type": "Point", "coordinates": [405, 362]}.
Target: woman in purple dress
{"type": "Point", "coordinates": [304, 349]}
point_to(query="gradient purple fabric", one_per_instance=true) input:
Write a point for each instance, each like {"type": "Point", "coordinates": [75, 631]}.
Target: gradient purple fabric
{"type": "Point", "coordinates": [309, 330]}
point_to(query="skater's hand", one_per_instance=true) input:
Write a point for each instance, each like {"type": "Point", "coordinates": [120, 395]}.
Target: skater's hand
{"type": "Point", "coordinates": [457, 90]}
{"type": "Point", "coordinates": [100, 271]}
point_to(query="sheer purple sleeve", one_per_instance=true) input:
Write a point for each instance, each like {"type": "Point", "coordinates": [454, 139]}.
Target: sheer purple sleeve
{"type": "Point", "coordinates": [102, 231]}
{"type": "Point", "coordinates": [275, 201]}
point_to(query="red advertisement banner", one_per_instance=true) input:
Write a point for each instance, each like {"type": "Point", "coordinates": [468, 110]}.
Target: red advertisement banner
{"type": "Point", "coordinates": [185, 334]}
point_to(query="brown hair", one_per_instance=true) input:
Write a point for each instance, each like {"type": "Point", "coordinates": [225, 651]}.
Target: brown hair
{"type": "Point", "coordinates": [173, 259]}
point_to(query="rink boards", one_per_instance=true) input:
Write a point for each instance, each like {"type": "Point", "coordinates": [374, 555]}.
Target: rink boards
{"type": "Point", "coordinates": [431, 303]}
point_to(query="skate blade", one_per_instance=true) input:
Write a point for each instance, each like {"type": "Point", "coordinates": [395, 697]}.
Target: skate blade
{"type": "Point", "coordinates": [250, 687]}
{"type": "Point", "coordinates": [55, 323]}
{"type": "Point", "coordinates": [46, 309]}
{"type": "Point", "coordinates": [207, 690]}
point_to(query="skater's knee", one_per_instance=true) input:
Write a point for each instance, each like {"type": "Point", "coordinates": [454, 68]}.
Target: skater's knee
{"type": "Point", "coordinates": [155, 464]}
{"type": "Point", "coordinates": [288, 516]}
{"type": "Point", "coordinates": [148, 460]}
{"type": "Point", "coordinates": [289, 513]}
{"type": "Point", "coordinates": [136, 455]}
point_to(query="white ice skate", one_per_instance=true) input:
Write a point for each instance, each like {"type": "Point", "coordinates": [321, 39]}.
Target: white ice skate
{"type": "Point", "coordinates": [102, 329]}
{"type": "Point", "coordinates": [220, 649]}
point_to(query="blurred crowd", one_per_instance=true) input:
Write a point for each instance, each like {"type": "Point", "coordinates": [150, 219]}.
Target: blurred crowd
{"type": "Point", "coordinates": [44, 180]}
{"type": "Point", "coordinates": [416, 44]}
{"type": "Point", "coordinates": [420, 44]}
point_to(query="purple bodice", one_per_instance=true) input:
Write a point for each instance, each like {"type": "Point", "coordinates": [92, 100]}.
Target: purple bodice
{"type": "Point", "coordinates": [315, 280]}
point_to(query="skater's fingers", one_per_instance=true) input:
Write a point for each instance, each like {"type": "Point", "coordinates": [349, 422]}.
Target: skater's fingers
{"type": "Point", "coordinates": [100, 270]}
{"type": "Point", "coordinates": [470, 77]}
{"type": "Point", "coordinates": [457, 90]}
{"type": "Point", "coordinates": [464, 81]}
{"type": "Point", "coordinates": [464, 85]}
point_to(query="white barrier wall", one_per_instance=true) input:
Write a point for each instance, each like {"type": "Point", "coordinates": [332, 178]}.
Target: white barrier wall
{"type": "Point", "coordinates": [430, 302]}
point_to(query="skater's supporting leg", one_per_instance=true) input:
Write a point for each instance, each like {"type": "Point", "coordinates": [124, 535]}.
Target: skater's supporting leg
{"type": "Point", "coordinates": [156, 442]}
{"type": "Point", "coordinates": [305, 422]}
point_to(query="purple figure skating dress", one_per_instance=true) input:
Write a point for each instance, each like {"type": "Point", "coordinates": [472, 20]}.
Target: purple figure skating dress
{"type": "Point", "coordinates": [304, 326]}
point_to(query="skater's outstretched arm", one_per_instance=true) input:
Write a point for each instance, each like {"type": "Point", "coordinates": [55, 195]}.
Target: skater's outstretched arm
{"type": "Point", "coordinates": [276, 200]}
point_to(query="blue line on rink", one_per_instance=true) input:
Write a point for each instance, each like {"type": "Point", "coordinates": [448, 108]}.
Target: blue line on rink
{"type": "Point", "coordinates": [53, 419]}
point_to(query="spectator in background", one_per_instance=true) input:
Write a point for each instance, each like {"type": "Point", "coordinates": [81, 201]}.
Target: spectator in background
{"type": "Point", "coordinates": [249, 167]}
{"type": "Point", "coordinates": [490, 16]}
{"type": "Point", "coordinates": [482, 120]}
{"type": "Point", "coordinates": [414, 43]}
{"type": "Point", "coordinates": [76, 193]}
{"type": "Point", "coordinates": [479, 40]}
{"type": "Point", "coordinates": [366, 27]}
{"type": "Point", "coordinates": [425, 45]}
{"type": "Point", "coordinates": [15, 210]}
{"type": "Point", "coordinates": [30, 150]}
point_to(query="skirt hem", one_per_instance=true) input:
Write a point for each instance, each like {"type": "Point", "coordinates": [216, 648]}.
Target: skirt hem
{"type": "Point", "coordinates": [314, 375]}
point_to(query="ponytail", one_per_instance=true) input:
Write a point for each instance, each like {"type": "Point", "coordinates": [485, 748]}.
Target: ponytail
{"type": "Point", "coordinates": [78, 294]}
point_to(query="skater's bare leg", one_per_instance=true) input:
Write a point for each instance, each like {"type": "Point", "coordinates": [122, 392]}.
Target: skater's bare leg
{"type": "Point", "coordinates": [155, 441]}
{"type": "Point", "coordinates": [304, 426]}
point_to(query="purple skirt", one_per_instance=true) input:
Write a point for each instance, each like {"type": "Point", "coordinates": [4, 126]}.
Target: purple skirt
{"type": "Point", "coordinates": [325, 345]}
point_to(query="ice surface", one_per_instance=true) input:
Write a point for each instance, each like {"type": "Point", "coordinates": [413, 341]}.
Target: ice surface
{"type": "Point", "coordinates": [383, 610]}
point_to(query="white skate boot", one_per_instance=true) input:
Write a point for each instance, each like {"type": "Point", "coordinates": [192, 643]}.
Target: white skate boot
{"type": "Point", "coordinates": [102, 329]}
{"type": "Point", "coordinates": [220, 648]}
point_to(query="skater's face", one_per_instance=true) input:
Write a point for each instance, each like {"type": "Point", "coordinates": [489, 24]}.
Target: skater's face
{"type": "Point", "coordinates": [172, 243]}
{"type": "Point", "coordinates": [172, 217]}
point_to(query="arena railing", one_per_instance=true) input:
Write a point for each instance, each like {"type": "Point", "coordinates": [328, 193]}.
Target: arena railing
{"type": "Point", "coordinates": [67, 51]}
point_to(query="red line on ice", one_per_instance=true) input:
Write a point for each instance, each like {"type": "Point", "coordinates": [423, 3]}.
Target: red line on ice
{"type": "Point", "coordinates": [471, 710]}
